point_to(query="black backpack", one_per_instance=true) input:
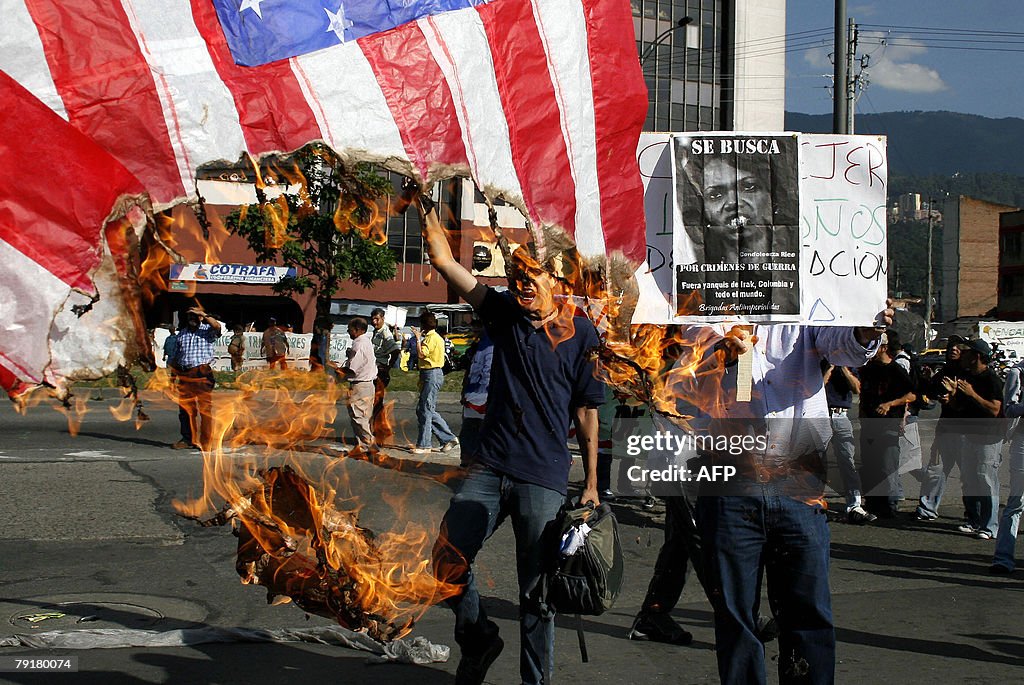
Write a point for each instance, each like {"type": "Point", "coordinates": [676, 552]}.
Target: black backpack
{"type": "Point", "coordinates": [588, 581]}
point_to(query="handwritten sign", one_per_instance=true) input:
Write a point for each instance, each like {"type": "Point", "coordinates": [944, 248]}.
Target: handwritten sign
{"type": "Point", "coordinates": [843, 182]}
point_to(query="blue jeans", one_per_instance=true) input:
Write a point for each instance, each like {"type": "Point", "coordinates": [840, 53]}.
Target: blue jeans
{"type": "Point", "coordinates": [426, 410]}
{"type": "Point", "coordinates": [979, 467]}
{"type": "Point", "coordinates": [789, 540]}
{"type": "Point", "coordinates": [844, 449]}
{"type": "Point", "coordinates": [475, 512]}
{"type": "Point", "coordinates": [949, 445]}
{"type": "Point", "coordinates": [1010, 521]}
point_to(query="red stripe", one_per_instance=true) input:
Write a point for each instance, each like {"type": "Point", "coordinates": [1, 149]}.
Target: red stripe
{"type": "Point", "coordinates": [418, 97]}
{"type": "Point", "coordinates": [620, 106]}
{"type": "Point", "coordinates": [271, 108]}
{"type": "Point", "coordinates": [528, 98]}
{"type": "Point", "coordinates": [467, 133]}
{"type": "Point", "coordinates": [102, 78]}
{"type": "Point", "coordinates": [11, 383]}
{"type": "Point", "coordinates": [56, 222]}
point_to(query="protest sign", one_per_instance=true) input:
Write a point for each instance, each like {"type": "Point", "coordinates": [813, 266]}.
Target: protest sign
{"type": "Point", "coordinates": [843, 181]}
{"type": "Point", "coordinates": [735, 237]}
{"type": "Point", "coordinates": [826, 229]}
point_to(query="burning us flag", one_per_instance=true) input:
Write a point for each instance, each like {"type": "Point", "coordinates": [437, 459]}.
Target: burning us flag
{"type": "Point", "coordinates": [69, 213]}
{"type": "Point", "coordinates": [540, 101]}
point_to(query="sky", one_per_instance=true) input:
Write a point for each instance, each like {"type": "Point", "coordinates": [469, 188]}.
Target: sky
{"type": "Point", "coordinates": [955, 55]}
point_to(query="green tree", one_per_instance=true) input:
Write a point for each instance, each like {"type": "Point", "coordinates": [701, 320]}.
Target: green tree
{"type": "Point", "coordinates": [331, 231]}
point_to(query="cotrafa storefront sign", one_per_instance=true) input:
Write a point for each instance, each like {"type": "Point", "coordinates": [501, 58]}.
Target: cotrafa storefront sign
{"type": "Point", "coordinates": [230, 273]}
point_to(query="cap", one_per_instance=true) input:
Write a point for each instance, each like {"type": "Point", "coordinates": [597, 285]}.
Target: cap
{"type": "Point", "coordinates": [955, 340]}
{"type": "Point", "coordinates": [272, 320]}
{"type": "Point", "coordinates": [980, 346]}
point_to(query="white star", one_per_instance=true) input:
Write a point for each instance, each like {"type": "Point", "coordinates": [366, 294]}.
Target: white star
{"type": "Point", "coordinates": [253, 5]}
{"type": "Point", "coordinates": [338, 22]}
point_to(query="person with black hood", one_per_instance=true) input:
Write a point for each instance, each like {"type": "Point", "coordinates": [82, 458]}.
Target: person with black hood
{"type": "Point", "coordinates": [945, 452]}
{"type": "Point", "coordinates": [885, 392]}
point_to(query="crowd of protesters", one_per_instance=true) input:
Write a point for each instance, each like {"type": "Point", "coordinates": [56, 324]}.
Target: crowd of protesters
{"type": "Point", "coordinates": [521, 393]}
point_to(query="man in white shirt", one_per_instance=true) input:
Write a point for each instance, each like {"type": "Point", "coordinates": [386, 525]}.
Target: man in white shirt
{"type": "Point", "coordinates": [769, 517]}
{"type": "Point", "coordinates": [361, 371]}
{"type": "Point", "coordinates": [385, 350]}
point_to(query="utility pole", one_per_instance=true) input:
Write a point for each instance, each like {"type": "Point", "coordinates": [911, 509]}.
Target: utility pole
{"type": "Point", "coordinates": [840, 98]}
{"type": "Point", "coordinates": [850, 85]}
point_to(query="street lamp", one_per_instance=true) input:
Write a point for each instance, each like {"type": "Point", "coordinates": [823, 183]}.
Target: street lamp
{"type": "Point", "coordinates": [662, 36]}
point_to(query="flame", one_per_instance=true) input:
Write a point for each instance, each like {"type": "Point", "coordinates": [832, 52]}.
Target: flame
{"type": "Point", "coordinates": [74, 410]}
{"type": "Point", "coordinates": [158, 248]}
{"type": "Point", "coordinates": [313, 547]}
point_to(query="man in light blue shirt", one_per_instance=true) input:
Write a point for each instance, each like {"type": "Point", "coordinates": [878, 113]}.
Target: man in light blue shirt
{"type": "Point", "coordinates": [194, 363]}
{"type": "Point", "coordinates": [769, 518]}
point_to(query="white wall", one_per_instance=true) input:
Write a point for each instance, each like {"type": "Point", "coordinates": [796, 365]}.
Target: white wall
{"type": "Point", "coordinates": [760, 91]}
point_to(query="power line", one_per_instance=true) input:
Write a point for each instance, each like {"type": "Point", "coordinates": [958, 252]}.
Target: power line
{"type": "Point", "coordinates": [946, 30]}
{"type": "Point", "coordinates": [956, 47]}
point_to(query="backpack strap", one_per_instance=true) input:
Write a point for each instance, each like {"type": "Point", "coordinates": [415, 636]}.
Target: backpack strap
{"type": "Point", "coordinates": [582, 638]}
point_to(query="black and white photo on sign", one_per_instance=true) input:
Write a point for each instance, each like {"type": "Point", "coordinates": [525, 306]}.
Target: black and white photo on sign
{"type": "Point", "coordinates": [736, 232]}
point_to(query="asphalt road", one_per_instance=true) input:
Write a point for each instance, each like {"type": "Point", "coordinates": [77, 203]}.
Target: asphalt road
{"type": "Point", "coordinates": [89, 525]}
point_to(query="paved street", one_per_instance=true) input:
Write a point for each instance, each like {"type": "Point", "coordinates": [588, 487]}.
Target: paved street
{"type": "Point", "coordinates": [88, 521]}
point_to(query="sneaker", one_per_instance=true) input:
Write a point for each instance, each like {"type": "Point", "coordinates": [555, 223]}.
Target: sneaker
{"type": "Point", "coordinates": [767, 629]}
{"type": "Point", "coordinates": [967, 528]}
{"type": "Point", "coordinates": [649, 503]}
{"type": "Point", "coordinates": [659, 627]}
{"type": "Point", "coordinates": [984, 535]}
{"type": "Point", "coordinates": [606, 496]}
{"type": "Point", "coordinates": [473, 666]}
{"type": "Point", "coordinates": [922, 515]}
{"type": "Point", "coordinates": [859, 516]}
{"type": "Point", "coordinates": [450, 445]}
{"type": "Point", "coordinates": [999, 570]}
{"type": "Point", "coordinates": [421, 450]}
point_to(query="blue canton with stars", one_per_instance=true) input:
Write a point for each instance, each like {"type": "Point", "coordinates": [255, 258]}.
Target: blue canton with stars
{"type": "Point", "coordinates": [261, 31]}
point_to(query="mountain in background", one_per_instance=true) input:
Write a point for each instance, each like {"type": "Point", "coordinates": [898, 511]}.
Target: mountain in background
{"type": "Point", "coordinates": [923, 143]}
{"type": "Point", "coordinates": [934, 153]}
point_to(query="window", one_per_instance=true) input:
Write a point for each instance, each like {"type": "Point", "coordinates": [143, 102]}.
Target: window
{"type": "Point", "coordinates": [1011, 244]}
{"type": "Point", "coordinates": [686, 55]}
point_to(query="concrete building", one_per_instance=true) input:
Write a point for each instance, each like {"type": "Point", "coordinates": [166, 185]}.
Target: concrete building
{"type": "Point", "coordinates": [969, 282]}
{"type": "Point", "coordinates": [1011, 265]}
{"type": "Point", "coordinates": [725, 70]}
{"type": "Point", "coordinates": [248, 298]}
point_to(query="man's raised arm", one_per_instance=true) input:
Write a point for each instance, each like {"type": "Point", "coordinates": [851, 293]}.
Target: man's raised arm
{"type": "Point", "coordinates": [440, 252]}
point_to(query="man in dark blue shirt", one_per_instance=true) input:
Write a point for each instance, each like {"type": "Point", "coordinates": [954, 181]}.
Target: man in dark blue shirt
{"type": "Point", "coordinates": [542, 375]}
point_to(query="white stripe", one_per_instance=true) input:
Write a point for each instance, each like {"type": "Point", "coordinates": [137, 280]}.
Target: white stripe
{"type": "Point", "coordinates": [348, 104]}
{"type": "Point", "coordinates": [197, 106]}
{"type": "Point", "coordinates": [22, 56]}
{"type": "Point", "coordinates": [470, 75]}
{"type": "Point", "coordinates": [563, 30]}
{"type": "Point", "coordinates": [30, 297]}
